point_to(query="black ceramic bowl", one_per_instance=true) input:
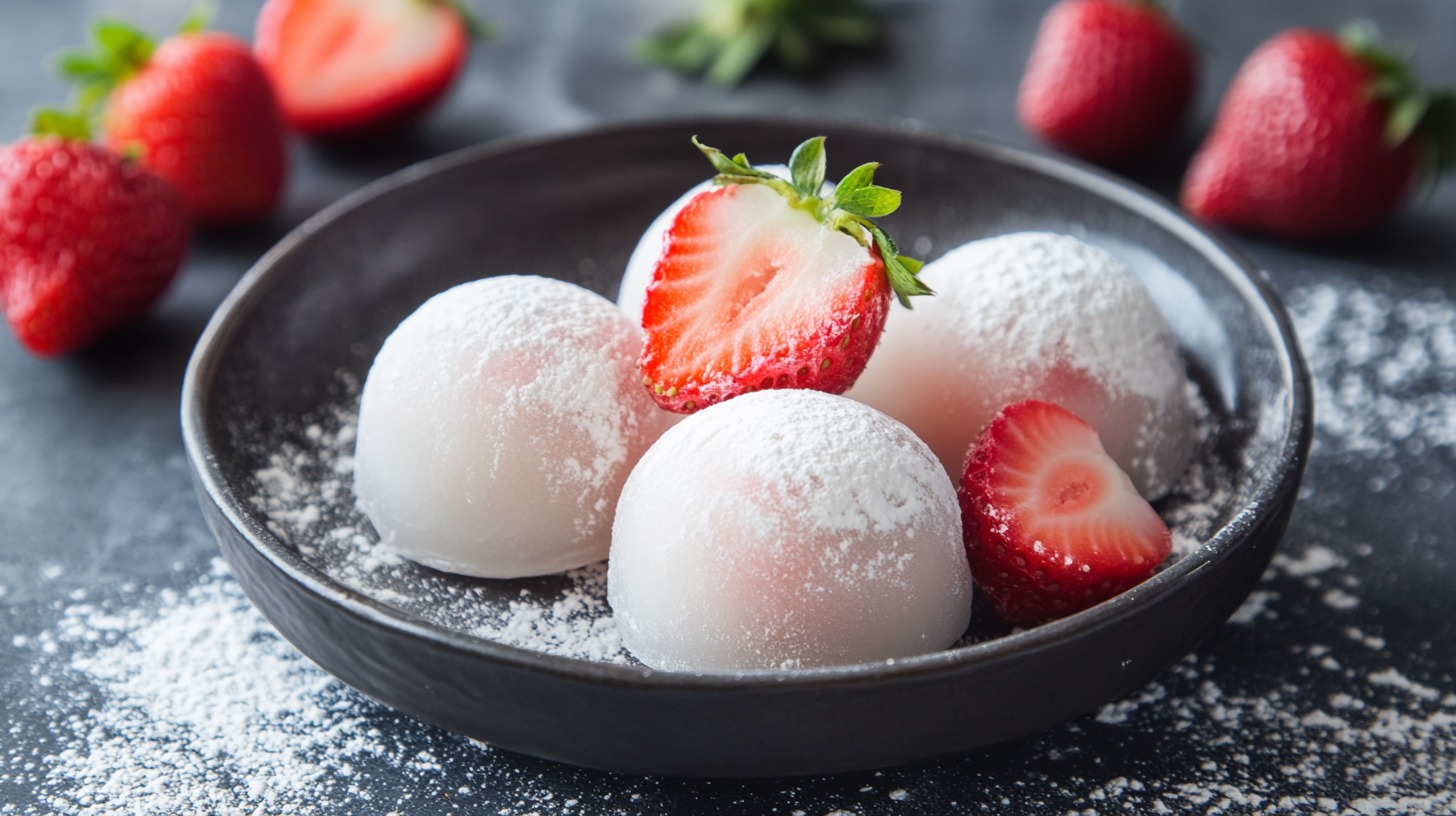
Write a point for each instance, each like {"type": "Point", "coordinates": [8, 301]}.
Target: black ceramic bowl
{"type": "Point", "coordinates": [270, 386]}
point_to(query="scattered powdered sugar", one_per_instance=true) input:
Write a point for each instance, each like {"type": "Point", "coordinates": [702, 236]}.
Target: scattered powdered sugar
{"type": "Point", "coordinates": [305, 493]}
{"type": "Point", "coordinates": [186, 701]}
{"type": "Point", "coordinates": [1386, 367]}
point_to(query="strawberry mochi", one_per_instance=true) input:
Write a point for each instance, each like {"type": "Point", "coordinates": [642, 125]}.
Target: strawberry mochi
{"type": "Point", "coordinates": [786, 529]}
{"type": "Point", "coordinates": [497, 426]}
{"type": "Point", "coordinates": [764, 282]}
{"type": "Point", "coordinates": [1037, 316]}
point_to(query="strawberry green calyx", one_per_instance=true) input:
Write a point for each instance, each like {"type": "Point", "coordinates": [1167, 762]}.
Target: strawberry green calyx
{"type": "Point", "coordinates": [1414, 109]}
{"type": "Point", "coordinates": [730, 37]}
{"type": "Point", "coordinates": [475, 25]}
{"type": "Point", "coordinates": [850, 209]}
{"type": "Point", "coordinates": [62, 123]}
{"type": "Point", "coordinates": [118, 50]}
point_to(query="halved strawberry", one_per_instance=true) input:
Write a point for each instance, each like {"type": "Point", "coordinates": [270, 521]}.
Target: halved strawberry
{"type": "Point", "coordinates": [353, 67]}
{"type": "Point", "coordinates": [764, 283]}
{"type": "Point", "coordinates": [1052, 524]}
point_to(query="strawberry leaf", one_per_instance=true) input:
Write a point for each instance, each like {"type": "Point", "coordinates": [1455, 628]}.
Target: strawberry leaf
{"type": "Point", "coordinates": [902, 271]}
{"type": "Point", "coordinates": [736, 170]}
{"type": "Point", "coordinates": [855, 201]}
{"type": "Point", "coordinates": [857, 179]}
{"type": "Point", "coordinates": [806, 166]}
{"type": "Point", "coordinates": [871, 201]}
{"type": "Point", "coordinates": [729, 38]}
{"type": "Point", "coordinates": [62, 123]}
{"type": "Point", "coordinates": [83, 66]}
{"type": "Point", "coordinates": [1414, 110]}
{"type": "Point", "coordinates": [1406, 113]}
{"type": "Point", "coordinates": [125, 46]}
{"type": "Point", "coordinates": [199, 18]}
{"type": "Point", "coordinates": [475, 25]}
{"type": "Point", "coordinates": [117, 51]}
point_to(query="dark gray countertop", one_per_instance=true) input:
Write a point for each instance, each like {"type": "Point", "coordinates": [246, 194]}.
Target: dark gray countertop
{"type": "Point", "coordinates": [1331, 692]}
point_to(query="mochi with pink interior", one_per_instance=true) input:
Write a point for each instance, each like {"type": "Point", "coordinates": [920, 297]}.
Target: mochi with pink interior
{"type": "Point", "coordinates": [1037, 316]}
{"type": "Point", "coordinates": [787, 529]}
{"type": "Point", "coordinates": [497, 426]}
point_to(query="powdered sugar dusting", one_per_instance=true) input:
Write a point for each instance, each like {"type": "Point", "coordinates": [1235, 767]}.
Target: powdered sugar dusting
{"type": "Point", "coordinates": [306, 494]}
{"type": "Point", "coordinates": [786, 529]}
{"type": "Point", "coordinates": [497, 425]}
{"type": "Point", "coordinates": [304, 491]}
{"type": "Point", "coordinates": [1045, 316]}
{"type": "Point", "coordinates": [1387, 367]}
{"type": "Point", "coordinates": [186, 701]}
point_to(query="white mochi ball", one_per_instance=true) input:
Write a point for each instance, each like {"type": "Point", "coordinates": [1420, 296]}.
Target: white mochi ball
{"type": "Point", "coordinates": [785, 529]}
{"type": "Point", "coordinates": [632, 293]}
{"type": "Point", "coordinates": [497, 426]}
{"type": "Point", "coordinates": [1036, 316]}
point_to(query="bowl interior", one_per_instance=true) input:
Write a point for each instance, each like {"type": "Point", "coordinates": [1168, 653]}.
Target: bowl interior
{"type": "Point", "coordinates": [287, 354]}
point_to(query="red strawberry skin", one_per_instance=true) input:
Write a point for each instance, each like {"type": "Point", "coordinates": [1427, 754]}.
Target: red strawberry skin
{"type": "Point", "coordinates": [88, 241]}
{"type": "Point", "coordinates": [202, 115]}
{"type": "Point", "coordinates": [1107, 80]}
{"type": "Point", "coordinates": [705, 344]}
{"type": "Point", "coordinates": [1298, 148]}
{"type": "Point", "coordinates": [350, 69]}
{"type": "Point", "coordinates": [1052, 525]}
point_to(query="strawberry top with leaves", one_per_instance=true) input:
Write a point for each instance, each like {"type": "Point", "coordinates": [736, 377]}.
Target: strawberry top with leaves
{"type": "Point", "coordinates": [197, 109]}
{"type": "Point", "coordinates": [354, 68]}
{"type": "Point", "coordinates": [765, 283]}
{"type": "Point", "coordinates": [1319, 136]}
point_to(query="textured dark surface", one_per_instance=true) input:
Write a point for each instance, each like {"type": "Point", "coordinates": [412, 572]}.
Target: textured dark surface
{"type": "Point", "coordinates": [95, 496]}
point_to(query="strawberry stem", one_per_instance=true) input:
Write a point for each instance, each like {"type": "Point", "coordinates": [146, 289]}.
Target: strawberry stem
{"type": "Point", "coordinates": [850, 209]}
{"type": "Point", "coordinates": [730, 37]}
{"type": "Point", "coordinates": [475, 25]}
{"type": "Point", "coordinates": [118, 50]}
{"type": "Point", "coordinates": [63, 123]}
{"type": "Point", "coordinates": [1414, 109]}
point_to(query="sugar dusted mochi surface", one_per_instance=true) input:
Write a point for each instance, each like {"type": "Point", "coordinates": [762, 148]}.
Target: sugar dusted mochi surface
{"type": "Point", "coordinates": [497, 426]}
{"type": "Point", "coordinates": [1036, 315]}
{"type": "Point", "coordinates": [783, 529]}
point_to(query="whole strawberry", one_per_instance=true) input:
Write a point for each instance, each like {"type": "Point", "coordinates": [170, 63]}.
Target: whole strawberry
{"type": "Point", "coordinates": [88, 241]}
{"type": "Point", "coordinates": [765, 283]}
{"type": "Point", "coordinates": [1107, 80]}
{"type": "Point", "coordinates": [350, 69]}
{"type": "Point", "coordinates": [1052, 525]}
{"type": "Point", "coordinates": [197, 109]}
{"type": "Point", "coordinates": [1318, 137]}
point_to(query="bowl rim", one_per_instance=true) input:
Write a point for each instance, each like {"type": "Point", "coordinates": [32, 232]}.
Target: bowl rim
{"type": "Point", "coordinates": [1252, 286]}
